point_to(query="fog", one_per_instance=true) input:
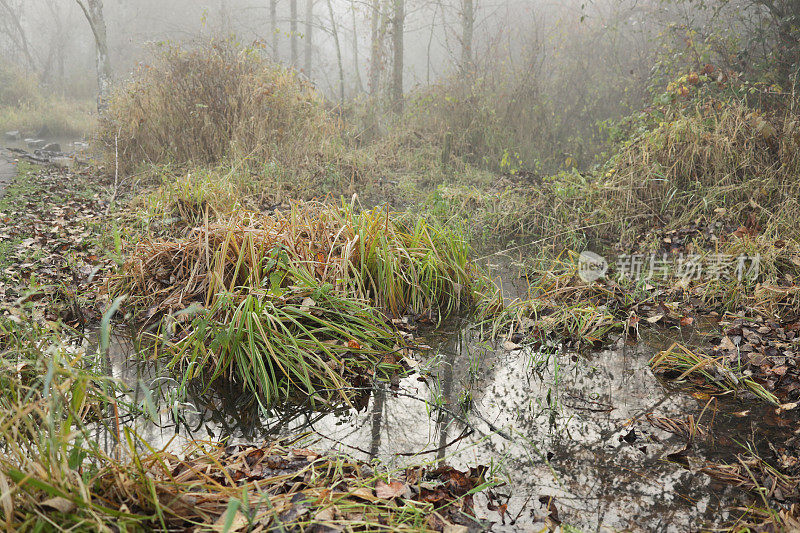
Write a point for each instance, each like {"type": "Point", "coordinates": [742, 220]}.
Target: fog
{"type": "Point", "coordinates": [53, 39]}
{"type": "Point", "coordinates": [558, 75]}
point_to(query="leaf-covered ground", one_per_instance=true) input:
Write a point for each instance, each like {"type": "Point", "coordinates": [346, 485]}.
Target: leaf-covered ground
{"type": "Point", "coordinates": [53, 229]}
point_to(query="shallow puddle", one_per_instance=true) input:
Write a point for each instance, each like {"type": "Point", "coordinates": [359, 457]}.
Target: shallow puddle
{"type": "Point", "coordinates": [566, 432]}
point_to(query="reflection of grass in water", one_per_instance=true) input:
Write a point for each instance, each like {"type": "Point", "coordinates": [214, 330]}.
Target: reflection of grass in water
{"type": "Point", "coordinates": [61, 477]}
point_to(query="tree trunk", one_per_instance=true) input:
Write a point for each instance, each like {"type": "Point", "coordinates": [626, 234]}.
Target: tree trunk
{"type": "Point", "coordinates": [23, 44]}
{"type": "Point", "coordinates": [59, 44]}
{"type": "Point", "coordinates": [293, 30]}
{"type": "Point", "coordinates": [335, 32]}
{"type": "Point", "coordinates": [224, 18]}
{"type": "Point", "coordinates": [467, 29]}
{"type": "Point", "coordinates": [398, 23]}
{"type": "Point", "coordinates": [273, 26]}
{"type": "Point", "coordinates": [309, 48]}
{"type": "Point", "coordinates": [359, 82]}
{"type": "Point", "coordinates": [430, 43]}
{"type": "Point", "coordinates": [376, 46]}
{"type": "Point", "coordinates": [93, 10]}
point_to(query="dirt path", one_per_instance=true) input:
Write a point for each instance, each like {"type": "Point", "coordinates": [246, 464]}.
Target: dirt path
{"type": "Point", "coordinates": [8, 169]}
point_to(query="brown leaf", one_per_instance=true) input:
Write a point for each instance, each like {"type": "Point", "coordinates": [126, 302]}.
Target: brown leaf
{"type": "Point", "coordinates": [62, 505]}
{"type": "Point", "coordinates": [654, 319]}
{"type": "Point", "coordinates": [365, 493]}
{"type": "Point", "coordinates": [510, 346]}
{"type": "Point", "coordinates": [392, 490]}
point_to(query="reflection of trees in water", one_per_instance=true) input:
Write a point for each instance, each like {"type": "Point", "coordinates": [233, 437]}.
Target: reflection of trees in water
{"type": "Point", "coordinates": [379, 400]}
{"type": "Point", "coordinates": [443, 419]}
{"type": "Point", "coordinates": [595, 477]}
{"type": "Point", "coordinates": [599, 479]}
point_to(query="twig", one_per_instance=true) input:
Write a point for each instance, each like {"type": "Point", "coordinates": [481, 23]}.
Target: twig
{"type": "Point", "coordinates": [464, 434]}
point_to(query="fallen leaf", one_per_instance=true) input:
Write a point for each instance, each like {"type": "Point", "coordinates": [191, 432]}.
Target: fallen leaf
{"type": "Point", "coordinates": [365, 493]}
{"type": "Point", "coordinates": [307, 304]}
{"type": "Point", "coordinates": [62, 505]}
{"type": "Point", "coordinates": [391, 490]}
{"type": "Point", "coordinates": [238, 523]}
{"type": "Point", "coordinates": [353, 345]}
{"type": "Point", "coordinates": [510, 346]}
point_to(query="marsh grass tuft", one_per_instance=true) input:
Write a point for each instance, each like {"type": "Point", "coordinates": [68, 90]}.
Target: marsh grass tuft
{"type": "Point", "coordinates": [402, 264]}
{"type": "Point", "coordinates": [715, 159]}
{"type": "Point", "coordinates": [679, 363]}
{"type": "Point", "coordinates": [558, 304]}
{"type": "Point", "coordinates": [305, 340]}
{"type": "Point", "coordinates": [296, 301]}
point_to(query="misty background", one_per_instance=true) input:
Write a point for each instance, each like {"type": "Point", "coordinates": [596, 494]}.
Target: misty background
{"type": "Point", "coordinates": [567, 70]}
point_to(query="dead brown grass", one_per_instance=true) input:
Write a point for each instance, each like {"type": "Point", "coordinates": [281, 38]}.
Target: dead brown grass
{"type": "Point", "coordinates": [216, 103]}
{"type": "Point", "coordinates": [717, 159]}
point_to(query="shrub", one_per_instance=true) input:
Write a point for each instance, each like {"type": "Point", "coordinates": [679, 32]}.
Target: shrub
{"type": "Point", "coordinates": [16, 88]}
{"type": "Point", "coordinates": [717, 158]}
{"type": "Point", "coordinates": [216, 103]}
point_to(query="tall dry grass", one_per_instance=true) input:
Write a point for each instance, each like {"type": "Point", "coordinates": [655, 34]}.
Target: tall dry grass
{"type": "Point", "coordinates": [403, 264]}
{"type": "Point", "coordinates": [215, 103]}
{"type": "Point", "coordinates": [717, 159]}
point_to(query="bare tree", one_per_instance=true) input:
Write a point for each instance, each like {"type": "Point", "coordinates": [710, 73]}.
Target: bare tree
{"type": "Point", "coordinates": [467, 30]}
{"type": "Point", "coordinates": [273, 23]}
{"type": "Point", "coordinates": [224, 18]}
{"type": "Point", "coordinates": [309, 47]}
{"type": "Point", "coordinates": [359, 83]}
{"type": "Point", "coordinates": [93, 10]}
{"type": "Point", "coordinates": [58, 45]}
{"type": "Point", "coordinates": [376, 47]}
{"type": "Point", "coordinates": [335, 33]}
{"type": "Point", "coordinates": [14, 18]}
{"type": "Point", "coordinates": [293, 30]}
{"type": "Point", "coordinates": [398, 28]}
{"type": "Point", "coordinates": [430, 43]}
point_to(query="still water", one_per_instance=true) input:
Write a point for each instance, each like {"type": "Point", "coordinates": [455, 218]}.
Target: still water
{"type": "Point", "coordinates": [554, 425]}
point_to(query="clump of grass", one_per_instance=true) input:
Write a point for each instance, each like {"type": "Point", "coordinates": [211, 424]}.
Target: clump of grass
{"type": "Point", "coordinates": [297, 301]}
{"type": "Point", "coordinates": [191, 197]}
{"type": "Point", "coordinates": [277, 342]}
{"type": "Point", "coordinates": [539, 319]}
{"type": "Point", "coordinates": [559, 304]}
{"type": "Point", "coordinates": [718, 159]}
{"type": "Point", "coordinates": [679, 362]}
{"type": "Point", "coordinates": [401, 264]}
{"type": "Point", "coordinates": [411, 264]}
